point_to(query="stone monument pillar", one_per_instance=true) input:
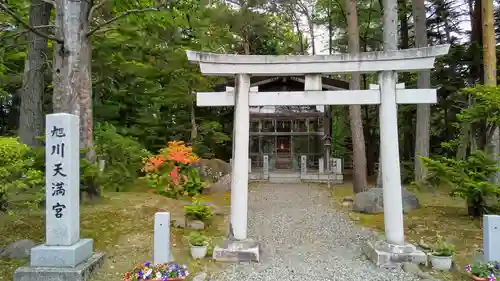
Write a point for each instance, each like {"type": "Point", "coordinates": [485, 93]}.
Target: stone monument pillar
{"type": "Point", "coordinates": [65, 255]}
{"type": "Point", "coordinates": [303, 166]}
{"type": "Point", "coordinates": [265, 167]}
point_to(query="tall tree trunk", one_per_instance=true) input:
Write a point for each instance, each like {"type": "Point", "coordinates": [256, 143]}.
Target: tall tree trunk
{"type": "Point", "coordinates": [30, 116]}
{"type": "Point", "coordinates": [422, 137]}
{"type": "Point", "coordinates": [358, 139]}
{"type": "Point", "coordinates": [490, 67]}
{"type": "Point", "coordinates": [72, 73]}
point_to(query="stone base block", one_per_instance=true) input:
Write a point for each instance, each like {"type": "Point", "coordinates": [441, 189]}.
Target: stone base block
{"type": "Point", "coordinates": [81, 272]}
{"type": "Point", "coordinates": [388, 255]}
{"type": "Point", "coordinates": [61, 256]}
{"type": "Point", "coordinates": [237, 251]}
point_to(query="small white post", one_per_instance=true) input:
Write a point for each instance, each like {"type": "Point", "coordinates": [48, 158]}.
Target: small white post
{"type": "Point", "coordinates": [389, 148]}
{"type": "Point", "coordinates": [161, 242]}
{"type": "Point", "coordinates": [239, 176]}
{"type": "Point", "coordinates": [321, 166]}
{"type": "Point", "coordinates": [249, 165]}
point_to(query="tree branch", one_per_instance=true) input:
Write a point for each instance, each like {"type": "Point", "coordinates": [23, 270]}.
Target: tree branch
{"type": "Point", "coordinates": [6, 9]}
{"type": "Point", "coordinates": [122, 15]}
{"type": "Point", "coordinates": [95, 8]}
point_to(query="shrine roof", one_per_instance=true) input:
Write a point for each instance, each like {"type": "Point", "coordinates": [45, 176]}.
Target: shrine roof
{"type": "Point", "coordinates": [281, 83]}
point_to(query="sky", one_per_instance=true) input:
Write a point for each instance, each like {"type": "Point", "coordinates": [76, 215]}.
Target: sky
{"type": "Point", "coordinates": [321, 38]}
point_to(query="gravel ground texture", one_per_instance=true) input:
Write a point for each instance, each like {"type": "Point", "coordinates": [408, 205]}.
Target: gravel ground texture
{"type": "Point", "coordinates": [304, 237]}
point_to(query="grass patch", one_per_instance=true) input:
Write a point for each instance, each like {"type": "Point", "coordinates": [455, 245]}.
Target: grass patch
{"type": "Point", "coordinates": [439, 215]}
{"type": "Point", "coordinates": [121, 224]}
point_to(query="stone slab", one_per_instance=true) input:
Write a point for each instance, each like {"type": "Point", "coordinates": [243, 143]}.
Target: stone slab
{"type": "Point", "coordinates": [237, 251]}
{"type": "Point", "coordinates": [491, 237]}
{"type": "Point", "coordinates": [388, 255]}
{"type": "Point", "coordinates": [81, 272]}
{"type": "Point", "coordinates": [61, 256]}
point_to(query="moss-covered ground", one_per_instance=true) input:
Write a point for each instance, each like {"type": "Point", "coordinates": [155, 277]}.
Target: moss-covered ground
{"type": "Point", "coordinates": [439, 215]}
{"type": "Point", "coordinates": [121, 224]}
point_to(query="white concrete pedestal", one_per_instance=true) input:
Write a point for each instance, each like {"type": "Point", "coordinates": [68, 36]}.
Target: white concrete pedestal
{"type": "Point", "coordinates": [237, 251]}
{"type": "Point", "coordinates": [388, 255]}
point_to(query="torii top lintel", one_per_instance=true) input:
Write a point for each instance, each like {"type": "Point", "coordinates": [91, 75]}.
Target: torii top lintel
{"type": "Point", "coordinates": [287, 65]}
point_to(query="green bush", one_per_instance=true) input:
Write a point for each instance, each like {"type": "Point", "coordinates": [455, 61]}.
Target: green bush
{"type": "Point", "coordinates": [197, 239]}
{"type": "Point", "coordinates": [198, 211]}
{"type": "Point", "coordinates": [469, 179]}
{"type": "Point", "coordinates": [443, 249]}
{"type": "Point", "coordinates": [407, 171]}
{"type": "Point", "coordinates": [17, 172]}
{"type": "Point", "coordinates": [123, 157]}
{"type": "Point", "coordinates": [90, 176]}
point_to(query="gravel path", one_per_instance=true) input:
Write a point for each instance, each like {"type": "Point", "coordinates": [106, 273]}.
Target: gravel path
{"type": "Point", "coordinates": [304, 238]}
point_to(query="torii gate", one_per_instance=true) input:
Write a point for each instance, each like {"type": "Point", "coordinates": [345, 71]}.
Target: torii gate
{"type": "Point", "coordinates": [313, 67]}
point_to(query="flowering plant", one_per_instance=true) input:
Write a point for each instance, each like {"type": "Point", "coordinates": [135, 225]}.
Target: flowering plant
{"type": "Point", "coordinates": [174, 171]}
{"type": "Point", "coordinates": [158, 272]}
{"type": "Point", "coordinates": [489, 270]}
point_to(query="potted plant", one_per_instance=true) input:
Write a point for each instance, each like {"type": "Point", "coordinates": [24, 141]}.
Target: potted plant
{"type": "Point", "coordinates": [157, 272]}
{"type": "Point", "coordinates": [441, 256]}
{"type": "Point", "coordinates": [198, 245]}
{"type": "Point", "coordinates": [488, 271]}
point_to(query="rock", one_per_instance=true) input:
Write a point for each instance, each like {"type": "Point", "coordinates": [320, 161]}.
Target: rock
{"type": "Point", "coordinates": [18, 250]}
{"type": "Point", "coordinates": [423, 244]}
{"type": "Point", "coordinates": [372, 201]}
{"type": "Point", "coordinates": [213, 169]}
{"type": "Point", "coordinates": [353, 217]}
{"type": "Point", "coordinates": [348, 199]}
{"type": "Point", "coordinates": [202, 276]}
{"type": "Point", "coordinates": [222, 185]}
{"type": "Point", "coordinates": [346, 204]}
{"type": "Point", "coordinates": [415, 269]}
{"type": "Point", "coordinates": [216, 210]}
{"type": "Point", "coordinates": [179, 222]}
{"type": "Point", "coordinates": [195, 225]}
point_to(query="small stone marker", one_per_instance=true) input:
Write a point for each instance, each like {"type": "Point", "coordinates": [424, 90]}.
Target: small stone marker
{"type": "Point", "coordinates": [161, 243]}
{"type": "Point", "coordinates": [265, 167]}
{"type": "Point", "coordinates": [303, 165]}
{"type": "Point", "coordinates": [321, 165]}
{"type": "Point", "coordinates": [64, 256]}
{"type": "Point", "coordinates": [491, 239]}
{"type": "Point", "coordinates": [336, 165]}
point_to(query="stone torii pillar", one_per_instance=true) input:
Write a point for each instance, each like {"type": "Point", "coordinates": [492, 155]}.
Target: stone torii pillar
{"type": "Point", "coordinates": [393, 218]}
{"type": "Point", "coordinates": [394, 248]}
{"type": "Point", "coordinates": [241, 142]}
